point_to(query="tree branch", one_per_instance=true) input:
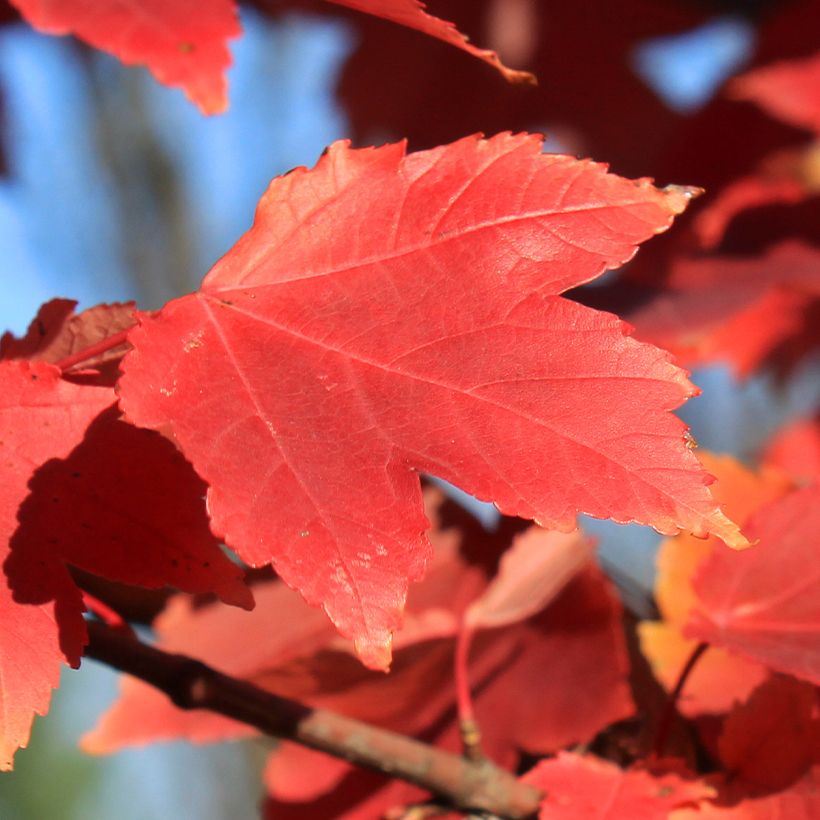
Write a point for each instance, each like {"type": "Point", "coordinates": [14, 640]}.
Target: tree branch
{"type": "Point", "coordinates": [190, 684]}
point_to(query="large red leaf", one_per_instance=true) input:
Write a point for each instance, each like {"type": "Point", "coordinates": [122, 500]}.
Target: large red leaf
{"type": "Point", "coordinates": [578, 786]}
{"type": "Point", "coordinates": [378, 284]}
{"type": "Point", "coordinates": [41, 416]}
{"type": "Point", "coordinates": [182, 42]}
{"type": "Point", "coordinates": [764, 603]}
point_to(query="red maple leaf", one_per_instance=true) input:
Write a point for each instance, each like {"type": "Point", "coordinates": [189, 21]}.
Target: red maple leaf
{"type": "Point", "coordinates": [785, 177]}
{"type": "Point", "coordinates": [773, 739]}
{"type": "Point", "coordinates": [57, 333]}
{"type": "Point", "coordinates": [747, 310]}
{"type": "Point", "coordinates": [126, 506]}
{"type": "Point", "coordinates": [123, 504]}
{"type": "Point", "coordinates": [182, 42]}
{"type": "Point", "coordinates": [379, 283]}
{"type": "Point", "coordinates": [764, 603]}
{"type": "Point", "coordinates": [800, 802]}
{"type": "Point", "coordinates": [185, 42]}
{"type": "Point", "coordinates": [720, 678]}
{"type": "Point", "coordinates": [577, 786]}
{"type": "Point", "coordinates": [789, 90]}
{"type": "Point", "coordinates": [80, 487]}
{"type": "Point", "coordinates": [795, 449]}
{"type": "Point", "coordinates": [41, 416]}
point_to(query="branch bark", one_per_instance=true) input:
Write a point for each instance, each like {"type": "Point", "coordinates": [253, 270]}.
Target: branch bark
{"type": "Point", "coordinates": [190, 684]}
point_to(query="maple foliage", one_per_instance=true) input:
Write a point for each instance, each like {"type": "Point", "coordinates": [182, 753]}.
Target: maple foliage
{"type": "Point", "coordinates": [411, 13]}
{"type": "Point", "coordinates": [254, 453]}
{"type": "Point", "coordinates": [185, 42]}
{"type": "Point", "coordinates": [799, 802]}
{"type": "Point", "coordinates": [579, 621]}
{"type": "Point", "coordinates": [57, 333]}
{"type": "Point", "coordinates": [786, 177]}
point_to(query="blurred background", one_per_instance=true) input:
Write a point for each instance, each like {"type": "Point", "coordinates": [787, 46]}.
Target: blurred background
{"type": "Point", "coordinates": [116, 188]}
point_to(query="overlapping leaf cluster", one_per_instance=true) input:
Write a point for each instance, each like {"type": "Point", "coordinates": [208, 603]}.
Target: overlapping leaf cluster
{"type": "Point", "coordinates": [259, 442]}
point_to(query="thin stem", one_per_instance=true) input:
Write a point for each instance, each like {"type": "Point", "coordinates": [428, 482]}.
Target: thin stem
{"type": "Point", "coordinates": [671, 708]}
{"type": "Point", "coordinates": [105, 613]}
{"type": "Point", "coordinates": [467, 724]}
{"type": "Point", "coordinates": [104, 345]}
{"type": "Point", "coordinates": [189, 684]}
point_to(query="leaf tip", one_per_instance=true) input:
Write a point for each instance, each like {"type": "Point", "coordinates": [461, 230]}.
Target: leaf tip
{"type": "Point", "coordinates": [724, 528]}
{"type": "Point", "coordinates": [375, 654]}
{"type": "Point", "coordinates": [678, 197]}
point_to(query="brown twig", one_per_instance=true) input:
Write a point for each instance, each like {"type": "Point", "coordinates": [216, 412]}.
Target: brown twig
{"type": "Point", "coordinates": [190, 684]}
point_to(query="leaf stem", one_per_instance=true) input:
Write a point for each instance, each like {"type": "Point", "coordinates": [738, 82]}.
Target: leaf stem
{"type": "Point", "coordinates": [108, 615]}
{"type": "Point", "coordinates": [671, 708]}
{"type": "Point", "coordinates": [104, 345]}
{"type": "Point", "coordinates": [190, 684]}
{"type": "Point", "coordinates": [467, 724]}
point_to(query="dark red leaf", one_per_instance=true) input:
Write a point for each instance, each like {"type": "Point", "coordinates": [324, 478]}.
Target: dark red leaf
{"type": "Point", "coordinates": [785, 178]}
{"type": "Point", "coordinates": [411, 13]}
{"type": "Point", "coordinates": [772, 740]}
{"type": "Point", "coordinates": [56, 334]}
{"type": "Point", "coordinates": [41, 416]}
{"type": "Point", "coordinates": [789, 90]}
{"type": "Point", "coordinates": [749, 311]}
{"type": "Point", "coordinates": [125, 505]}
